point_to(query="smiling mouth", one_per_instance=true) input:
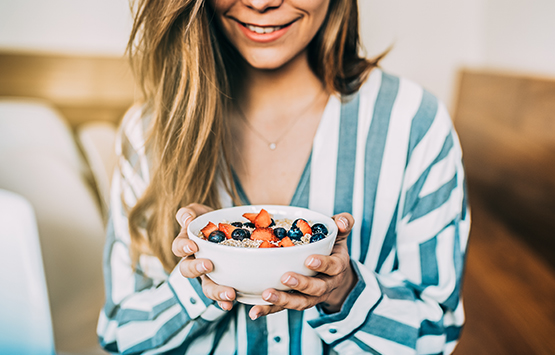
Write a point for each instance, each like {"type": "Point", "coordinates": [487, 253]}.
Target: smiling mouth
{"type": "Point", "coordinates": [264, 29]}
{"type": "Point", "coordinates": [261, 30]}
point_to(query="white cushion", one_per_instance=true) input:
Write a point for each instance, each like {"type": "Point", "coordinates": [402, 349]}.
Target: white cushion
{"type": "Point", "coordinates": [29, 125]}
{"type": "Point", "coordinates": [97, 141]}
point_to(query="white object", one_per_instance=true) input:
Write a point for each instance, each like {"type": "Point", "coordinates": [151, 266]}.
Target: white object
{"type": "Point", "coordinates": [72, 237]}
{"type": "Point", "coordinates": [25, 321]}
{"type": "Point", "coordinates": [32, 125]}
{"type": "Point", "coordinates": [252, 270]}
{"type": "Point", "coordinates": [97, 140]}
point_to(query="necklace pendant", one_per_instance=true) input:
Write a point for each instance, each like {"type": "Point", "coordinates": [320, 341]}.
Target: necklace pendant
{"type": "Point", "coordinates": [272, 146]}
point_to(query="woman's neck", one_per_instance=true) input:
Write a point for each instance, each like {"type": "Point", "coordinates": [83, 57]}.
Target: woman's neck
{"type": "Point", "coordinates": [273, 130]}
{"type": "Point", "coordinates": [284, 90]}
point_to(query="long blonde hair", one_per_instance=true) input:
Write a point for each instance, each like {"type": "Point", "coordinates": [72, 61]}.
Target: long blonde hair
{"type": "Point", "coordinates": [177, 53]}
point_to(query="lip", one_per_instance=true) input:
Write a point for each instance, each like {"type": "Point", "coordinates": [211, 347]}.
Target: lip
{"type": "Point", "coordinates": [264, 37]}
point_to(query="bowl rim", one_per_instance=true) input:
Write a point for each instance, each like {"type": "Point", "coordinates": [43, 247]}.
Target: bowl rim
{"type": "Point", "coordinates": [332, 228]}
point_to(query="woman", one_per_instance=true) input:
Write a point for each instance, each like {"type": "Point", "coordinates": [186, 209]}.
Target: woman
{"type": "Point", "coordinates": [268, 101]}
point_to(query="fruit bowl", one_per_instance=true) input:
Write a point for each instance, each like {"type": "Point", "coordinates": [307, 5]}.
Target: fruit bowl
{"type": "Point", "coordinates": [250, 271]}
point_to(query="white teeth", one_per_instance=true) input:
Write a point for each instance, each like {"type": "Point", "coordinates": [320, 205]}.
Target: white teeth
{"type": "Point", "coordinates": [262, 29]}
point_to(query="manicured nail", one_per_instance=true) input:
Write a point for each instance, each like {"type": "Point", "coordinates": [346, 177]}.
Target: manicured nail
{"type": "Point", "coordinates": [253, 316]}
{"type": "Point", "coordinates": [201, 267]}
{"type": "Point", "coordinates": [291, 281]}
{"type": "Point", "coordinates": [187, 249]}
{"type": "Point", "coordinates": [270, 297]}
{"type": "Point", "coordinates": [225, 296]}
{"type": "Point", "coordinates": [314, 263]}
{"type": "Point", "coordinates": [344, 221]}
{"type": "Point", "coordinates": [184, 217]}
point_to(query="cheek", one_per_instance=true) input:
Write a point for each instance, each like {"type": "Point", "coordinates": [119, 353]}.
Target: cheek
{"type": "Point", "coordinates": [317, 8]}
{"type": "Point", "coordinates": [220, 6]}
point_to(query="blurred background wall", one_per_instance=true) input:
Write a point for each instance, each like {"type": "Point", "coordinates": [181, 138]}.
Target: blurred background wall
{"type": "Point", "coordinates": [77, 27]}
{"type": "Point", "coordinates": [433, 39]}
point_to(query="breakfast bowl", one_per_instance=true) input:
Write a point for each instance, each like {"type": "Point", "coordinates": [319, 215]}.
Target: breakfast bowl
{"type": "Point", "coordinates": [250, 271]}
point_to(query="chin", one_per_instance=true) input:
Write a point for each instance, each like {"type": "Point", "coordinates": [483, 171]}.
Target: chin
{"type": "Point", "coordinates": [269, 62]}
{"type": "Point", "coordinates": [266, 65]}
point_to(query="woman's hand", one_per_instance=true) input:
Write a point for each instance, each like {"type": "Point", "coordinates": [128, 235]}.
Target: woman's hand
{"type": "Point", "coordinates": [190, 267]}
{"type": "Point", "coordinates": [330, 287]}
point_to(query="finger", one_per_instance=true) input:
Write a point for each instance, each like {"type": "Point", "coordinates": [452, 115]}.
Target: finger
{"type": "Point", "coordinates": [182, 246]}
{"type": "Point", "coordinates": [312, 286]}
{"type": "Point", "coordinates": [344, 223]}
{"type": "Point", "coordinates": [222, 294]}
{"type": "Point", "coordinates": [331, 265]}
{"type": "Point", "coordinates": [289, 300]}
{"type": "Point", "coordinates": [192, 268]}
{"type": "Point", "coordinates": [260, 311]}
{"type": "Point", "coordinates": [186, 214]}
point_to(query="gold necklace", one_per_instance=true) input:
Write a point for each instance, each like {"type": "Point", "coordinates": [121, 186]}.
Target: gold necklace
{"type": "Point", "coordinates": [272, 145]}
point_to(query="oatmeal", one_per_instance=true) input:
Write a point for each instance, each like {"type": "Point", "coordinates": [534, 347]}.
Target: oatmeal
{"type": "Point", "coordinates": [260, 230]}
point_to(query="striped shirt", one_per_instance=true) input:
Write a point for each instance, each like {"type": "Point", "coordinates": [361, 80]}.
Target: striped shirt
{"type": "Point", "coordinates": [390, 157]}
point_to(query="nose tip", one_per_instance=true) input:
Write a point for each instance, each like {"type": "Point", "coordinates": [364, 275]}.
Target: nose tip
{"type": "Point", "coordinates": [262, 5]}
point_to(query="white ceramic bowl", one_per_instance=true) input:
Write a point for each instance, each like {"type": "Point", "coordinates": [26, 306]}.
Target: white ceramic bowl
{"type": "Point", "coordinates": [250, 271]}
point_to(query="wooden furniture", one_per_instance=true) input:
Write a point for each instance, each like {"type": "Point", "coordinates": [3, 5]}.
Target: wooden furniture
{"type": "Point", "coordinates": [506, 124]}
{"type": "Point", "coordinates": [81, 88]}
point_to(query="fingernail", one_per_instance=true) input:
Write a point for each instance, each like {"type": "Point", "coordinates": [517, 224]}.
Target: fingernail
{"type": "Point", "coordinates": [187, 249]}
{"type": "Point", "coordinates": [225, 296]}
{"type": "Point", "coordinates": [253, 316]}
{"type": "Point", "coordinates": [291, 281]}
{"type": "Point", "coordinates": [184, 217]}
{"type": "Point", "coordinates": [270, 297]}
{"type": "Point", "coordinates": [314, 263]}
{"type": "Point", "coordinates": [201, 267]}
{"type": "Point", "coordinates": [344, 221]}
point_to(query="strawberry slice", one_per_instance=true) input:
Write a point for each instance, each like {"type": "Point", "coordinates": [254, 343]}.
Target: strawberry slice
{"type": "Point", "coordinates": [209, 228]}
{"type": "Point", "coordinates": [227, 229]}
{"type": "Point", "coordinates": [250, 216]}
{"type": "Point", "coordinates": [263, 219]}
{"type": "Point", "coordinates": [286, 242]}
{"type": "Point", "coordinates": [266, 244]}
{"type": "Point", "coordinates": [263, 234]}
{"type": "Point", "coordinates": [304, 226]}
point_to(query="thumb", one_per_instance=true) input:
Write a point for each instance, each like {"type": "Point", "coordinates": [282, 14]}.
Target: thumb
{"type": "Point", "coordinates": [344, 222]}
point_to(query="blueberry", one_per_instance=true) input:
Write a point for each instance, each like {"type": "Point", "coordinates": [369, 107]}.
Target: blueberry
{"type": "Point", "coordinates": [240, 234]}
{"type": "Point", "coordinates": [237, 224]}
{"type": "Point", "coordinates": [248, 225]}
{"type": "Point", "coordinates": [280, 233]}
{"type": "Point", "coordinates": [316, 237]}
{"type": "Point", "coordinates": [294, 225]}
{"type": "Point", "coordinates": [295, 233]}
{"type": "Point", "coordinates": [319, 228]}
{"type": "Point", "coordinates": [273, 223]}
{"type": "Point", "coordinates": [216, 236]}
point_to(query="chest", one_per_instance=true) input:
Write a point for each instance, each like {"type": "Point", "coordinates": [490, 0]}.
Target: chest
{"type": "Point", "coordinates": [271, 176]}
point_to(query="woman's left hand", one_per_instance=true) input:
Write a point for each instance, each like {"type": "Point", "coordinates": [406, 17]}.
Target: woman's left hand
{"type": "Point", "coordinates": [330, 287]}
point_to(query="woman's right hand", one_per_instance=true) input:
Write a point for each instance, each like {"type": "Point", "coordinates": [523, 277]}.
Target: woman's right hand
{"type": "Point", "coordinates": [191, 267]}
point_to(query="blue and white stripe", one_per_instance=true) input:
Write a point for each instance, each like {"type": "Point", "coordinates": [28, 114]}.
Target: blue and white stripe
{"type": "Point", "coordinates": [389, 156]}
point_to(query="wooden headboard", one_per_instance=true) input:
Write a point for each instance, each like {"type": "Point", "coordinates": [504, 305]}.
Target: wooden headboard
{"type": "Point", "coordinates": [506, 124]}
{"type": "Point", "coordinates": [81, 88]}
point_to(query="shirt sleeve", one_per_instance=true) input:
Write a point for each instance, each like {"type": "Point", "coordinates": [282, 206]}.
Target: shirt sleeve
{"type": "Point", "coordinates": [145, 313]}
{"type": "Point", "coordinates": [414, 306]}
